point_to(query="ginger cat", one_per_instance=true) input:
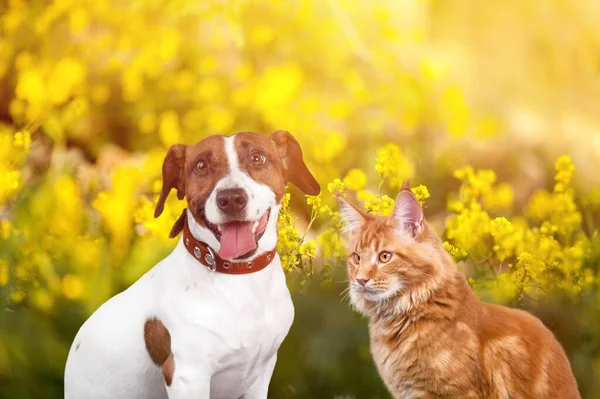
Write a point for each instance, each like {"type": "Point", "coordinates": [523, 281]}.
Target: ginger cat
{"type": "Point", "coordinates": [430, 335]}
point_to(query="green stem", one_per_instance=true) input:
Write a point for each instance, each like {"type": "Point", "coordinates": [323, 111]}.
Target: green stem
{"type": "Point", "coordinates": [313, 217]}
{"type": "Point", "coordinates": [380, 186]}
{"type": "Point", "coordinates": [589, 221]}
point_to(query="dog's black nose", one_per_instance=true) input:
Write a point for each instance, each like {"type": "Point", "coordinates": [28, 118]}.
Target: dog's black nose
{"type": "Point", "coordinates": [232, 200]}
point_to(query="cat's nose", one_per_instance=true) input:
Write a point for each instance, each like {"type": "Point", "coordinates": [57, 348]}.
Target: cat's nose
{"type": "Point", "coordinates": [362, 281]}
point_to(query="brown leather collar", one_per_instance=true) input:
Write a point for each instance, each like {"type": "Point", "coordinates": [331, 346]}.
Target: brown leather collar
{"type": "Point", "coordinates": [206, 256]}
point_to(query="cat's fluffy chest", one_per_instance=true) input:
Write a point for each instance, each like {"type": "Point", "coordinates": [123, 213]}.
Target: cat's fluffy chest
{"type": "Point", "coordinates": [424, 359]}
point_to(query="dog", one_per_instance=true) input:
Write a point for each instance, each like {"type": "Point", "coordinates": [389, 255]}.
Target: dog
{"type": "Point", "coordinates": [207, 321]}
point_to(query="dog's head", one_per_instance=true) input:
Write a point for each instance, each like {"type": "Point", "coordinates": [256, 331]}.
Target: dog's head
{"type": "Point", "coordinates": [234, 186]}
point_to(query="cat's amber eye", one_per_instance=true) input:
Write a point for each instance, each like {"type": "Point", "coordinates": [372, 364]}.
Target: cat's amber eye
{"type": "Point", "coordinates": [385, 256]}
{"type": "Point", "coordinates": [355, 257]}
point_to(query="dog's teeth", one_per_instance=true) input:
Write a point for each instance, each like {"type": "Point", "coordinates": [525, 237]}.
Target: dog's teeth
{"type": "Point", "coordinates": [255, 226]}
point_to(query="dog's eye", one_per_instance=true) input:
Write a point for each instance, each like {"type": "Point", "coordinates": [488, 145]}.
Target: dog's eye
{"type": "Point", "coordinates": [385, 256]}
{"type": "Point", "coordinates": [202, 166]}
{"type": "Point", "coordinates": [355, 257]}
{"type": "Point", "coordinates": [258, 158]}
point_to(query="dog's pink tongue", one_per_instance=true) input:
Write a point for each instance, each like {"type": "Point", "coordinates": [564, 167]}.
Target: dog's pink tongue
{"type": "Point", "coordinates": [237, 239]}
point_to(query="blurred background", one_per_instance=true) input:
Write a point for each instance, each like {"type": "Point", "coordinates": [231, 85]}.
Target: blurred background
{"type": "Point", "coordinates": [491, 108]}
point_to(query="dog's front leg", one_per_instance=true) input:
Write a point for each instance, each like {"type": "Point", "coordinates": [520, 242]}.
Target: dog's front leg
{"type": "Point", "coordinates": [189, 380]}
{"type": "Point", "coordinates": [260, 388]}
{"type": "Point", "coordinates": [187, 371]}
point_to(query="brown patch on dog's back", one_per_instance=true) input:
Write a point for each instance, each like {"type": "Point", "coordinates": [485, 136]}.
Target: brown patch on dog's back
{"type": "Point", "coordinates": [158, 345]}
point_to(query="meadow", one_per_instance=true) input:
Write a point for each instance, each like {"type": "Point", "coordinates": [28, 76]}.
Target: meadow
{"type": "Point", "coordinates": [490, 109]}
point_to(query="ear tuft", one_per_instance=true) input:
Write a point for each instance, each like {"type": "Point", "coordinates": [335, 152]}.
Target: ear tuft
{"type": "Point", "coordinates": [296, 171]}
{"type": "Point", "coordinates": [405, 185]}
{"type": "Point", "coordinates": [172, 173]}
{"type": "Point", "coordinates": [353, 217]}
{"type": "Point", "coordinates": [407, 214]}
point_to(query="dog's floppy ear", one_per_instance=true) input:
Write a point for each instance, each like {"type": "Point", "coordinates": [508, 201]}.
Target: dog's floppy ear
{"type": "Point", "coordinates": [296, 171]}
{"type": "Point", "coordinates": [172, 172]}
{"type": "Point", "coordinates": [178, 226]}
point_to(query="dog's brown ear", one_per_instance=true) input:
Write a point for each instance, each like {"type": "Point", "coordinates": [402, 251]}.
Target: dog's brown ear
{"type": "Point", "coordinates": [178, 226]}
{"type": "Point", "coordinates": [296, 171]}
{"type": "Point", "coordinates": [172, 172]}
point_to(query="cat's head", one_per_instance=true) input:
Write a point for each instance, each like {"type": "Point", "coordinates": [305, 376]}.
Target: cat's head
{"type": "Point", "coordinates": [395, 256]}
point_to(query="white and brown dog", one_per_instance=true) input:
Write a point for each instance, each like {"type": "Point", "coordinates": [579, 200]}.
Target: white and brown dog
{"type": "Point", "coordinates": [207, 321]}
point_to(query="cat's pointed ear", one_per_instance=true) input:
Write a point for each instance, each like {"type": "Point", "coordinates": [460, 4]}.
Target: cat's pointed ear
{"type": "Point", "coordinates": [407, 214]}
{"type": "Point", "coordinates": [353, 217]}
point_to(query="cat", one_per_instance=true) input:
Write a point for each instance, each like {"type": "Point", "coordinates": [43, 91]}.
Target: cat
{"type": "Point", "coordinates": [430, 335]}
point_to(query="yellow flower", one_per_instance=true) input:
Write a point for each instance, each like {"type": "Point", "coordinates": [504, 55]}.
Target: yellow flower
{"type": "Point", "coordinates": [147, 123]}
{"type": "Point", "coordinates": [100, 94]}
{"type": "Point", "coordinates": [467, 228]}
{"type": "Point", "coordinates": [31, 86]}
{"type": "Point", "coordinates": [355, 179]}
{"type": "Point", "coordinates": [308, 249]}
{"type": "Point", "coordinates": [505, 239]}
{"type": "Point", "coordinates": [564, 173]}
{"type": "Point", "coordinates": [475, 183]}
{"type": "Point", "coordinates": [169, 130]}
{"type": "Point", "coordinates": [278, 85]}
{"type": "Point", "coordinates": [210, 89]}
{"type": "Point", "coordinates": [337, 185]}
{"type": "Point", "coordinates": [330, 146]}
{"type": "Point", "coordinates": [455, 110]}
{"type": "Point", "coordinates": [78, 19]}
{"type": "Point", "coordinates": [42, 300]}
{"type": "Point", "coordinates": [220, 121]}
{"type": "Point", "coordinates": [499, 198]}
{"type": "Point", "coordinates": [68, 73]}
{"type": "Point", "coordinates": [456, 253]}
{"type": "Point", "coordinates": [314, 201]}
{"type": "Point", "coordinates": [23, 139]}
{"type": "Point", "coordinates": [288, 247]}
{"type": "Point", "coordinates": [261, 35]}
{"type": "Point", "coordinates": [331, 244]}
{"type": "Point", "coordinates": [5, 229]}
{"type": "Point", "coordinates": [421, 192]}
{"type": "Point", "coordinates": [17, 296]}
{"type": "Point", "coordinates": [503, 288]}
{"type": "Point", "coordinates": [592, 199]}
{"type": "Point", "coordinates": [381, 205]}
{"type": "Point", "coordinates": [10, 181]}
{"type": "Point", "coordinates": [392, 165]}
{"type": "Point", "coordinates": [72, 286]}
{"type": "Point", "coordinates": [558, 208]}
{"type": "Point", "coordinates": [4, 276]}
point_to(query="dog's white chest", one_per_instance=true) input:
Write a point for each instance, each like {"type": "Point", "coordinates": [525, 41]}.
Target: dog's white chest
{"type": "Point", "coordinates": [254, 322]}
{"type": "Point", "coordinates": [256, 332]}
{"type": "Point", "coordinates": [239, 321]}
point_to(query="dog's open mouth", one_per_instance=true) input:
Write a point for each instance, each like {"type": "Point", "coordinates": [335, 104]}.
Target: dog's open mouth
{"type": "Point", "coordinates": [239, 238]}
